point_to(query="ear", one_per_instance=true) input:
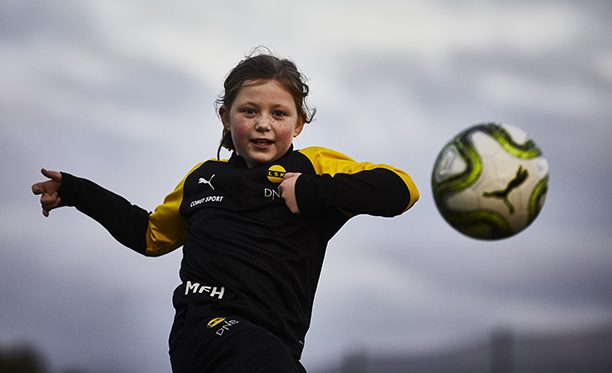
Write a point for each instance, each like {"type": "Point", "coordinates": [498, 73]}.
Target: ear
{"type": "Point", "coordinates": [298, 129]}
{"type": "Point", "coordinates": [299, 126]}
{"type": "Point", "coordinates": [224, 115]}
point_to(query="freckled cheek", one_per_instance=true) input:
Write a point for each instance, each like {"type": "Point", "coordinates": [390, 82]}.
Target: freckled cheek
{"type": "Point", "coordinates": [240, 132]}
{"type": "Point", "coordinates": [285, 134]}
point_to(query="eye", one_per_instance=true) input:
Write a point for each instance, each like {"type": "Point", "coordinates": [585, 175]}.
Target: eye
{"type": "Point", "coordinates": [249, 111]}
{"type": "Point", "coordinates": [279, 113]}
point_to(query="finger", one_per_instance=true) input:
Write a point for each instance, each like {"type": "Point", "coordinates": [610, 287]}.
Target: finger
{"type": "Point", "coordinates": [36, 189]}
{"type": "Point", "coordinates": [50, 204]}
{"type": "Point", "coordinates": [48, 199]}
{"type": "Point", "coordinates": [290, 175]}
{"type": "Point", "coordinates": [53, 175]}
{"type": "Point", "coordinates": [46, 211]}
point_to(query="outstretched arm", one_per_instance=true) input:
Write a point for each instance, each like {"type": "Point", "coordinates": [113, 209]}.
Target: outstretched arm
{"type": "Point", "coordinates": [124, 221]}
{"type": "Point", "coordinates": [353, 187]}
{"type": "Point", "coordinates": [48, 190]}
{"type": "Point", "coordinates": [127, 223]}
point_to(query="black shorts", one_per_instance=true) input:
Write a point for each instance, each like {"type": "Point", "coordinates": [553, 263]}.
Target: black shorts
{"type": "Point", "coordinates": [220, 344]}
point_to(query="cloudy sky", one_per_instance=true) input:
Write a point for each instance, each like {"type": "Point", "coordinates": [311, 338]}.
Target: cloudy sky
{"type": "Point", "coordinates": [122, 92]}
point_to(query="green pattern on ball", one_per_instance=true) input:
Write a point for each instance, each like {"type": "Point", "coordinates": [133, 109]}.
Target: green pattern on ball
{"type": "Point", "coordinates": [472, 170]}
{"type": "Point", "coordinates": [537, 199]}
{"type": "Point", "coordinates": [481, 224]}
{"type": "Point", "coordinates": [527, 150]}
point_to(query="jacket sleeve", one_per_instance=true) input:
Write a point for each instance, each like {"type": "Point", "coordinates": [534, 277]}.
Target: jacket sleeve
{"type": "Point", "coordinates": [150, 234]}
{"type": "Point", "coordinates": [356, 188]}
{"type": "Point", "coordinates": [127, 223]}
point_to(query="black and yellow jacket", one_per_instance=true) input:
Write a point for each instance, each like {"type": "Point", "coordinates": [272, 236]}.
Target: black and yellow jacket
{"type": "Point", "coordinates": [244, 253]}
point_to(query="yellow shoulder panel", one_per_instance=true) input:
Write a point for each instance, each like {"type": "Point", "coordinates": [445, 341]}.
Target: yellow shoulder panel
{"type": "Point", "coordinates": [167, 228]}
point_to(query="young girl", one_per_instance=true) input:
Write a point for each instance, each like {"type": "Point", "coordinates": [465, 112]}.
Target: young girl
{"type": "Point", "coordinates": [254, 228]}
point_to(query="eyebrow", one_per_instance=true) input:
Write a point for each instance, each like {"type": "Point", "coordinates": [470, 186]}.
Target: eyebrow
{"type": "Point", "coordinates": [275, 106]}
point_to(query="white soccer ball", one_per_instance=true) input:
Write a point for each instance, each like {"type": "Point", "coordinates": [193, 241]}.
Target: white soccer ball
{"type": "Point", "coordinates": [490, 181]}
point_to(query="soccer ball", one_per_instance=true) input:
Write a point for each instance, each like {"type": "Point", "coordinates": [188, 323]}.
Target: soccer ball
{"type": "Point", "coordinates": [490, 181]}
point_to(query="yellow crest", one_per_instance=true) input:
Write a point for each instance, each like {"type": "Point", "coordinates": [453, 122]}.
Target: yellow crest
{"type": "Point", "coordinates": [276, 173]}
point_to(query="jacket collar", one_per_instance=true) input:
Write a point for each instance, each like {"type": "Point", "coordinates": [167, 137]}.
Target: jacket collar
{"type": "Point", "coordinates": [238, 161]}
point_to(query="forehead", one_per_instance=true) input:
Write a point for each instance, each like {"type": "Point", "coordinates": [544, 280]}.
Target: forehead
{"type": "Point", "coordinates": [270, 89]}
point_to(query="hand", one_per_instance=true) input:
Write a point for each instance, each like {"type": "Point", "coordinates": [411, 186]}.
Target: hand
{"type": "Point", "coordinates": [287, 190]}
{"type": "Point", "coordinates": [48, 190]}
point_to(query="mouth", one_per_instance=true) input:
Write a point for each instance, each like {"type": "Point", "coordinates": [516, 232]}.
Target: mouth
{"type": "Point", "coordinates": [262, 142]}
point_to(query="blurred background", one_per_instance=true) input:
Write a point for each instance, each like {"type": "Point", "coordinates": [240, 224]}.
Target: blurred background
{"type": "Point", "coordinates": [122, 92]}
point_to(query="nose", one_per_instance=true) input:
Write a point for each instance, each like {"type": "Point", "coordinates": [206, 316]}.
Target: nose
{"type": "Point", "coordinates": [263, 123]}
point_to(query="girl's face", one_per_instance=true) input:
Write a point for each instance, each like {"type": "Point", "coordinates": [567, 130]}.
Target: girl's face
{"type": "Point", "coordinates": [263, 120]}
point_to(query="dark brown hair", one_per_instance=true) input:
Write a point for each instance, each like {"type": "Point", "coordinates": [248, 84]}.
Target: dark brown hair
{"type": "Point", "coordinates": [264, 67]}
